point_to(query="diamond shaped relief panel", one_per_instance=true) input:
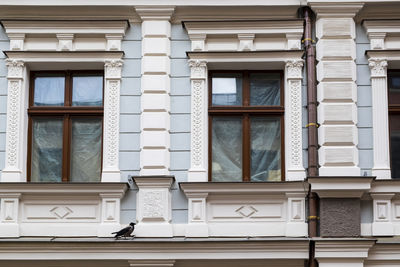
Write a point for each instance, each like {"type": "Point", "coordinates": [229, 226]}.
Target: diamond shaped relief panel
{"type": "Point", "coordinates": [61, 212]}
{"type": "Point", "coordinates": [246, 211]}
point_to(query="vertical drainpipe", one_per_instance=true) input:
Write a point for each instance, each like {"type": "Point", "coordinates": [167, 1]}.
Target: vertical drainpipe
{"type": "Point", "coordinates": [312, 126]}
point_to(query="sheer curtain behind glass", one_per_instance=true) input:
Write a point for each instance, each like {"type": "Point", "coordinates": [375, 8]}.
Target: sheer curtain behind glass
{"type": "Point", "coordinates": [86, 149]}
{"type": "Point", "coordinates": [47, 141]}
{"type": "Point", "coordinates": [265, 149]}
{"type": "Point", "coordinates": [226, 149]}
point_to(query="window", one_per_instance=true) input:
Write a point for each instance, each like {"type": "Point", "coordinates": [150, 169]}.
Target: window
{"type": "Point", "coordinates": [246, 110]}
{"type": "Point", "coordinates": [394, 121]}
{"type": "Point", "coordinates": [65, 126]}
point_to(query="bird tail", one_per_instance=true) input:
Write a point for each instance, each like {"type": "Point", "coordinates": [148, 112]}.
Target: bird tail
{"type": "Point", "coordinates": [114, 232]}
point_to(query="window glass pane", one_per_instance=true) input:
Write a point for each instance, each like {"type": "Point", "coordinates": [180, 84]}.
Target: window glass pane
{"type": "Point", "coordinates": [394, 121]}
{"type": "Point", "coordinates": [265, 149]}
{"type": "Point", "coordinates": [226, 149]}
{"type": "Point", "coordinates": [227, 89]}
{"type": "Point", "coordinates": [46, 157]}
{"type": "Point", "coordinates": [86, 149]}
{"type": "Point", "coordinates": [87, 91]}
{"type": "Point", "coordinates": [394, 88]}
{"type": "Point", "coordinates": [265, 89]}
{"type": "Point", "coordinates": [49, 91]}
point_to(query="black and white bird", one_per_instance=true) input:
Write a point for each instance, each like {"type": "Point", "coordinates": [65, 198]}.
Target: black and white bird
{"type": "Point", "coordinates": [125, 232]}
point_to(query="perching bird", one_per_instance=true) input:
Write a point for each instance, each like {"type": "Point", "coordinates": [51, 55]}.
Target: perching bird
{"type": "Point", "coordinates": [125, 232]}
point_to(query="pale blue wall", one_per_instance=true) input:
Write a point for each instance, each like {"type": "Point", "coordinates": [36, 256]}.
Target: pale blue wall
{"type": "Point", "coordinates": [364, 103]}
{"type": "Point", "coordinates": [180, 119]}
{"type": "Point", "coordinates": [129, 146]}
{"type": "Point", "coordinates": [4, 45]}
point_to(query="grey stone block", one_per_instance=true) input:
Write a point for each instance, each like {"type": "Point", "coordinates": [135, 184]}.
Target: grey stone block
{"type": "Point", "coordinates": [340, 217]}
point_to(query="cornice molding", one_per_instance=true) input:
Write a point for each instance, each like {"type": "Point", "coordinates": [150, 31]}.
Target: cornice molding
{"type": "Point", "coordinates": [244, 188]}
{"type": "Point", "coordinates": [63, 188]}
{"type": "Point", "coordinates": [335, 9]}
{"type": "Point", "coordinates": [155, 12]}
{"type": "Point", "coordinates": [65, 26]}
{"type": "Point", "coordinates": [64, 56]}
{"type": "Point", "coordinates": [342, 248]}
{"type": "Point", "coordinates": [340, 187]}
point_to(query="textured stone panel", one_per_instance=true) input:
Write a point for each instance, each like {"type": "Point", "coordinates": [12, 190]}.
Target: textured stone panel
{"type": "Point", "coordinates": [336, 49]}
{"type": "Point", "coordinates": [337, 91]}
{"type": "Point", "coordinates": [340, 217]}
{"type": "Point", "coordinates": [341, 70]}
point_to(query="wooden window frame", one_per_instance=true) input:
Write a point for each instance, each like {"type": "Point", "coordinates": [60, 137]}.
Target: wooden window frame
{"type": "Point", "coordinates": [393, 109]}
{"type": "Point", "coordinates": [246, 111]}
{"type": "Point", "coordinates": [66, 112]}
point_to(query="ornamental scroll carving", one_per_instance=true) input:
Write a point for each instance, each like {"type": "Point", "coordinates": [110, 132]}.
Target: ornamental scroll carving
{"type": "Point", "coordinates": [378, 67]}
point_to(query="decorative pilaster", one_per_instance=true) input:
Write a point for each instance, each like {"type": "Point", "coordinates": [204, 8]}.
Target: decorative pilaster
{"type": "Point", "coordinates": [198, 141]}
{"type": "Point", "coordinates": [9, 209]}
{"type": "Point", "coordinates": [380, 118]}
{"type": "Point", "coordinates": [293, 125]}
{"type": "Point", "coordinates": [153, 210]}
{"type": "Point", "coordinates": [111, 172]}
{"type": "Point", "coordinates": [155, 84]}
{"type": "Point", "coordinates": [197, 221]}
{"type": "Point", "coordinates": [382, 207]}
{"type": "Point", "coordinates": [15, 142]}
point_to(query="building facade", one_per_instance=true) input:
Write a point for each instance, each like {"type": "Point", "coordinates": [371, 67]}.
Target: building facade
{"type": "Point", "coordinates": [258, 133]}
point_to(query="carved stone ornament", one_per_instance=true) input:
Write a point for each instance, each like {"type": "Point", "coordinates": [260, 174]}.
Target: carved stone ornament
{"type": "Point", "coordinates": [112, 126]}
{"type": "Point", "coordinates": [378, 67]}
{"type": "Point", "coordinates": [294, 68]}
{"type": "Point", "coordinates": [15, 68]}
{"type": "Point", "coordinates": [197, 123]}
{"type": "Point", "coordinates": [295, 123]}
{"type": "Point", "coordinates": [198, 69]}
{"type": "Point", "coordinates": [113, 68]}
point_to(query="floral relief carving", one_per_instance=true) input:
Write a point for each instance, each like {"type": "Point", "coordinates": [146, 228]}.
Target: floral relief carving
{"type": "Point", "coordinates": [13, 123]}
{"type": "Point", "coordinates": [112, 124]}
{"type": "Point", "coordinates": [153, 204]}
{"type": "Point", "coordinates": [295, 122]}
{"type": "Point", "coordinates": [197, 123]}
{"type": "Point", "coordinates": [378, 67]}
{"type": "Point", "coordinates": [294, 68]}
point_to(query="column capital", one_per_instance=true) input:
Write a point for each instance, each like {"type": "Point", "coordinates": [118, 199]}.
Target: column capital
{"type": "Point", "coordinates": [198, 68]}
{"type": "Point", "coordinates": [155, 13]}
{"type": "Point", "coordinates": [294, 68]}
{"type": "Point", "coordinates": [113, 68]}
{"type": "Point", "coordinates": [15, 68]}
{"type": "Point", "coordinates": [378, 67]}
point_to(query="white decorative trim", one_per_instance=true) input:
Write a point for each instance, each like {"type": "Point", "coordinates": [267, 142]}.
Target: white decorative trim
{"type": "Point", "coordinates": [340, 187]}
{"type": "Point", "coordinates": [151, 263]}
{"type": "Point", "coordinates": [293, 121]}
{"type": "Point", "coordinates": [155, 12]}
{"type": "Point", "coordinates": [335, 9]}
{"type": "Point", "coordinates": [263, 209]}
{"type": "Point", "coordinates": [248, 33]}
{"type": "Point", "coordinates": [153, 212]}
{"type": "Point", "coordinates": [335, 252]}
{"type": "Point", "coordinates": [198, 151]}
{"type": "Point", "coordinates": [64, 32]}
{"type": "Point", "coordinates": [382, 210]}
{"type": "Point", "coordinates": [13, 170]}
{"type": "Point", "coordinates": [291, 61]}
{"type": "Point", "coordinates": [110, 172]}
{"type": "Point", "coordinates": [380, 118]}
{"type": "Point", "coordinates": [378, 30]}
{"type": "Point", "coordinates": [74, 209]}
